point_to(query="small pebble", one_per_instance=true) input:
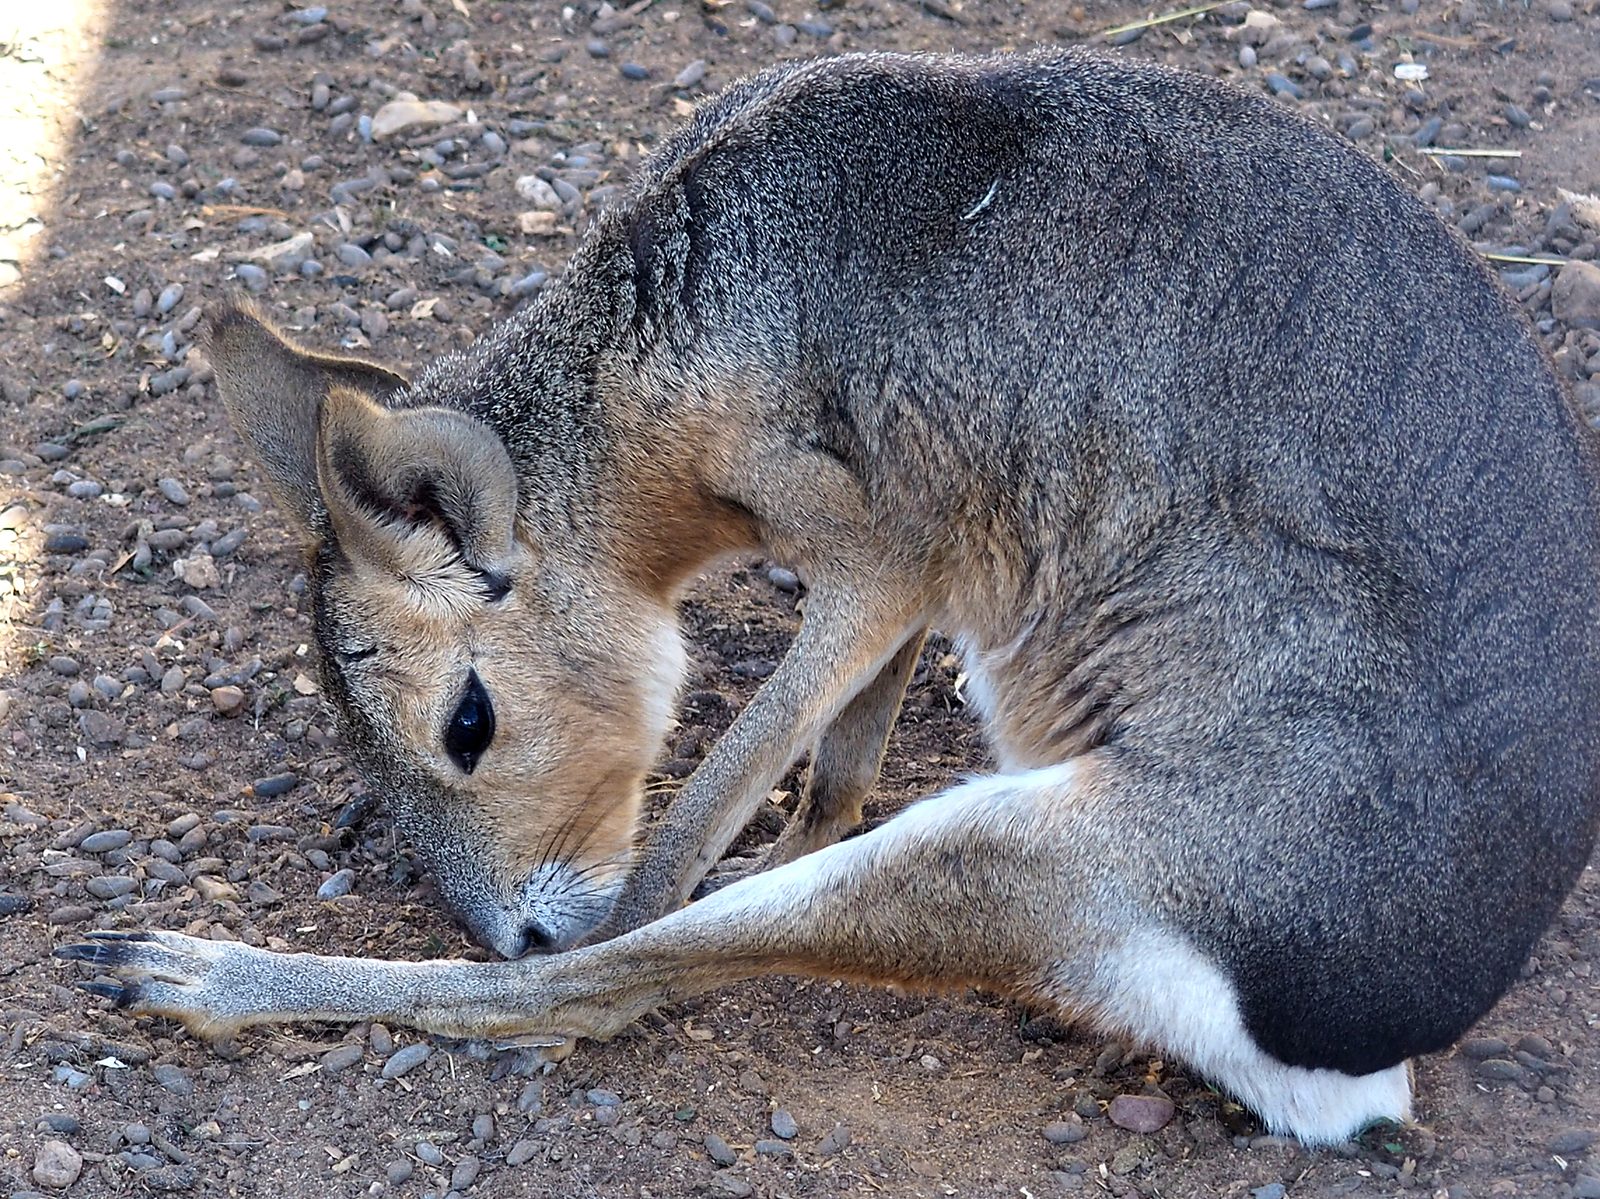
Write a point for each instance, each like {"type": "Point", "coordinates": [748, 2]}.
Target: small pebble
{"type": "Point", "coordinates": [1065, 1132]}
{"type": "Point", "coordinates": [521, 1153]}
{"type": "Point", "coordinates": [690, 75]}
{"type": "Point", "coordinates": [635, 71]}
{"type": "Point", "coordinates": [339, 884]}
{"type": "Point", "coordinates": [228, 700]}
{"type": "Point", "coordinates": [597, 48]}
{"type": "Point", "coordinates": [774, 1148]}
{"type": "Point", "coordinates": [784, 1125]}
{"type": "Point", "coordinates": [529, 283]}
{"type": "Point", "coordinates": [1571, 1142]}
{"type": "Point", "coordinates": [110, 886]}
{"type": "Point", "coordinates": [353, 255]}
{"type": "Point", "coordinates": [173, 491]}
{"type": "Point", "coordinates": [105, 842]}
{"type": "Point", "coordinates": [403, 1061]}
{"type": "Point", "coordinates": [603, 1098]}
{"type": "Point", "coordinates": [184, 824]}
{"type": "Point", "coordinates": [336, 1061]}
{"type": "Point", "coordinates": [483, 1127]}
{"type": "Point", "coordinates": [1501, 1070]}
{"type": "Point", "coordinates": [1282, 85]}
{"type": "Point", "coordinates": [57, 1165]}
{"type": "Point", "coordinates": [531, 1100]}
{"type": "Point", "coordinates": [465, 1172]}
{"type": "Point", "coordinates": [261, 137]}
{"type": "Point", "coordinates": [428, 1152]}
{"type": "Point", "coordinates": [251, 276]}
{"type": "Point", "coordinates": [719, 1151]}
{"type": "Point", "coordinates": [835, 1143]}
{"type": "Point", "coordinates": [1141, 1113]}
{"type": "Point", "coordinates": [174, 1079]}
{"type": "Point", "coordinates": [274, 785]}
{"type": "Point", "coordinates": [397, 1172]}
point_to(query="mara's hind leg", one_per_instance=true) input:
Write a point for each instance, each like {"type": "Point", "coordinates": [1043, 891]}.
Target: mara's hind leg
{"type": "Point", "coordinates": [846, 761]}
{"type": "Point", "coordinates": [1030, 884]}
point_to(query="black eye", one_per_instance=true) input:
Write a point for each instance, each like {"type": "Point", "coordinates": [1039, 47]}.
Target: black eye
{"type": "Point", "coordinates": [472, 727]}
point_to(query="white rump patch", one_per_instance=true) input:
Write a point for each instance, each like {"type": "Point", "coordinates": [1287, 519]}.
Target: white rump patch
{"type": "Point", "coordinates": [1161, 990]}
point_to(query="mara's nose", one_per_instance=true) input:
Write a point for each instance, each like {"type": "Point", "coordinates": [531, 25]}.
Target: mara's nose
{"type": "Point", "coordinates": [535, 938]}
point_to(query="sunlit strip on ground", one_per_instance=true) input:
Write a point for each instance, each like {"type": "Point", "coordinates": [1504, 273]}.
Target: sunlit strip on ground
{"type": "Point", "coordinates": [48, 54]}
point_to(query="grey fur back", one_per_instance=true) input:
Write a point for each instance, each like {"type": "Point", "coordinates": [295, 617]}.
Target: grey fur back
{"type": "Point", "coordinates": [1305, 529]}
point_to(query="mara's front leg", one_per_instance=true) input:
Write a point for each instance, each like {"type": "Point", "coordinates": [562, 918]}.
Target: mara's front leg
{"type": "Point", "coordinates": [868, 596]}
{"type": "Point", "coordinates": [889, 906]}
{"type": "Point", "coordinates": [216, 988]}
{"type": "Point", "coordinates": [946, 894]}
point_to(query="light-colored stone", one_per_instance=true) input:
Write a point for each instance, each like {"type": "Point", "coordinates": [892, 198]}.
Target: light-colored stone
{"type": "Point", "coordinates": [199, 571]}
{"type": "Point", "coordinates": [288, 253]}
{"type": "Point", "coordinates": [212, 889]}
{"type": "Point", "coordinates": [1585, 207]}
{"type": "Point", "coordinates": [1575, 298]}
{"type": "Point", "coordinates": [536, 223]}
{"type": "Point", "coordinates": [228, 700]}
{"type": "Point", "coordinates": [57, 1165]}
{"type": "Point", "coordinates": [538, 193]}
{"type": "Point", "coordinates": [401, 116]}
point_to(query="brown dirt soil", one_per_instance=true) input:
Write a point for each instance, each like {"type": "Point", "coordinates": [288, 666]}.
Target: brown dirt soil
{"type": "Point", "coordinates": [115, 713]}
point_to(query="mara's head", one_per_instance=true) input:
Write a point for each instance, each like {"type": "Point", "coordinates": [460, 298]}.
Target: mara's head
{"type": "Point", "coordinates": [499, 684]}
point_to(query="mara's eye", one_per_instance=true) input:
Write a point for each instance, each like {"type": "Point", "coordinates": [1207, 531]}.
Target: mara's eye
{"type": "Point", "coordinates": [472, 727]}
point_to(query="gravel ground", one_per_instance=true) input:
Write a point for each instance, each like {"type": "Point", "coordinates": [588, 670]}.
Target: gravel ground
{"type": "Point", "coordinates": [391, 179]}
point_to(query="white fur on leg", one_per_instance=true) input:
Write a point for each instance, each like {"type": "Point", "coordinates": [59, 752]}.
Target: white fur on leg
{"type": "Point", "coordinates": [1143, 981]}
{"type": "Point", "coordinates": [1160, 989]}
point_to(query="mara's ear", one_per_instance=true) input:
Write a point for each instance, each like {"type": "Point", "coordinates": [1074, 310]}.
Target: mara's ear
{"type": "Point", "coordinates": [395, 479]}
{"type": "Point", "coordinates": [274, 392]}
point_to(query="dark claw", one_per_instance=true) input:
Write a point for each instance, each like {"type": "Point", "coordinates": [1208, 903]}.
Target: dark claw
{"type": "Point", "coordinates": [121, 996]}
{"type": "Point", "coordinates": [107, 948]}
